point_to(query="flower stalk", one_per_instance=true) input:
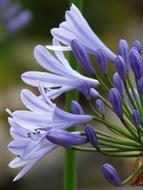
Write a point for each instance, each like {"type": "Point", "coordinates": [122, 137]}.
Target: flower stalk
{"type": "Point", "coordinates": [70, 169]}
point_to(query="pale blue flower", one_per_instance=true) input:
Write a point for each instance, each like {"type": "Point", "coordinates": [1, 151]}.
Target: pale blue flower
{"type": "Point", "coordinates": [30, 146]}
{"type": "Point", "coordinates": [40, 130]}
{"type": "Point", "coordinates": [62, 77]}
{"type": "Point", "coordinates": [76, 27]}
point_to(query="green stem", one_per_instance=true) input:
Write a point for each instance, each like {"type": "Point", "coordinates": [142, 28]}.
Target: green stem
{"type": "Point", "coordinates": [70, 178]}
{"type": "Point", "coordinates": [108, 152]}
{"type": "Point", "coordinates": [114, 128]}
{"type": "Point", "coordinates": [129, 128]}
{"type": "Point", "coordinates": [129, 95]}
{"type": "Point", "coordinates": [109, 80]}
{"type": "Point", "coordinates": [101, 82]}
{"type": "Point", "coordinates": [136, 98]}
{"type": "Point", "coordinates": [93, 108]}
{"type": "Point", "coordinates": [116, 140]}
{"type": "Point", "coordinates": [120, 147]}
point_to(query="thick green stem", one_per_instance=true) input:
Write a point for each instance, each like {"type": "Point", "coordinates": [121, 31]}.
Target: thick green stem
{"type": "Point", "coordinates": [70, 178]}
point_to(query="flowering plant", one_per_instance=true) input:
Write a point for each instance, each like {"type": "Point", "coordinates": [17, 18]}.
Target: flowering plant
{"type": "Point", "coordinates": [42, 128]}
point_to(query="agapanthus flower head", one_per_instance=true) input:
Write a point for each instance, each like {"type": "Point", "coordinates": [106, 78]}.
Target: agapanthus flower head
{"type": "Point", "coordinates": [111, 174]}
{"type": "Point", "coordinates": [76, 27]}
{"type": "Point", "coordinates": [62, 77]}
{"type": "Point", "coordinates": [82, 56]}
{"type": "Point", "coordinates": [41, 128]}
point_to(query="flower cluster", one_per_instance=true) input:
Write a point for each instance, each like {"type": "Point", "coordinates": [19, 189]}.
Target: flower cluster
{"type": "Point", "coordinates": [12, 17]}
{"type": "Point", "coordinates": [42, 128]}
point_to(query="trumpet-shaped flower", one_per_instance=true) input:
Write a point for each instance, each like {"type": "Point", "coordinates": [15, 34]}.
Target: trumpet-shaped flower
{"type": "Point", "coordinates": [45, 114]}
{"type": "Point", "coordinates": [40, 130]}
{"type": "Point", "coordinates": [61, 78]}
{"type": "Point", "coordinates": [30, 146]}
{"type": "Point", "coordinates": [76, 27]}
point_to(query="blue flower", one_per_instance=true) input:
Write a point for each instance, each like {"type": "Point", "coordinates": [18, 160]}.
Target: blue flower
{"type": "Point", "coordinates": [40, 130]}
{"type": "Point", "coordinates": [30, 146]}
{"type": "Point", "coordinates": [62, 77]}
{"type": "Point", "coordinates": [76, 27]}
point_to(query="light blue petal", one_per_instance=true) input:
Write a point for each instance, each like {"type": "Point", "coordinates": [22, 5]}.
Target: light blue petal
{"type": "Point", "coordinates": [31, 163]}
{"type": "Point", "coordinates": [17, 162]}
{"type": "Point", "coordinates": [33, 103]}
{"type": "Point", "coordinates": [46, 79]}
{"type": "Point", "coordinates": [18, 146]}
{"type": "Point", "coordinates": [49, 62]}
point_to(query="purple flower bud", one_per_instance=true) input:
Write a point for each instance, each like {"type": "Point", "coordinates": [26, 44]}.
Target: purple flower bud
{"type": "Point", "coordinates": [120, 67]}
{"type": "Point", "coordinates": [76, 108]}
{"type": "Point", "coordinates": [138, 46]}
{"type": "Point", "coordinates": [136, 63]}
{"type": "Point", "coordinates": [100, 106]}
{"type": "Point", "coordinates": [93, 93]}
{"type": "Point", "coordinates": [118, 83]}
{"type": "Point", "coordinates": [65, 138]}
{"type": "Point", "coordinates": [18, 22]}
{"type": "Point", "coordinates": [102, 61]}
{"type": "Point", "coordinates": [124, 51]}
{"type": "Point", "coordinates": [111, 174]}
{"type": "Point", "coordinates": [80, 53]}
{"type": "Point", "coordinates": [136, 118]}
{"type": "Point", "coordinates": [140, 85]}
{"type": "Point", "coordinates": [85, 89]}
{"type": "Point", "coordinates": [116, 101]}
{"type": "Point", "coordinates": [91, 135]}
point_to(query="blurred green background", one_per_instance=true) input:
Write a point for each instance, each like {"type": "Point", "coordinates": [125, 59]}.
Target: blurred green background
{"type": "Point", "coordinates": [111, 20]}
